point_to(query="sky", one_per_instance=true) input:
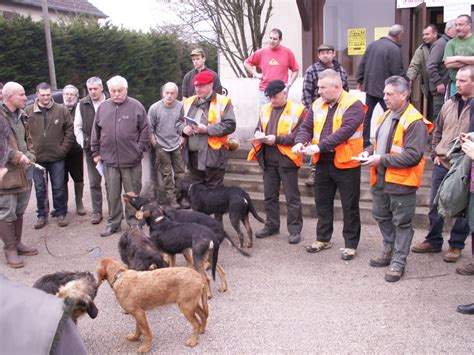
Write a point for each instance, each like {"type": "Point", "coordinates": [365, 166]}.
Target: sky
{"type": "Point", "coordinates": [136, 14]}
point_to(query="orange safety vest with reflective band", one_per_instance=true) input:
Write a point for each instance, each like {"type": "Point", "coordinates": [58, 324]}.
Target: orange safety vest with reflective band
{"type": "Point", "coordinates": [350, 148]}
{"type": "Point", "coordinates": [286, 124]}
{"type": "Point", "coordinates": [216, 110]}
{"type": "Point", "coordinates": [402, 176]}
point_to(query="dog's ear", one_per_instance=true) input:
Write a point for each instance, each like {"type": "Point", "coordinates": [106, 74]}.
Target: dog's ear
{"type": "Point", "coordinates": [102, 271]}
{"type": "Point", "coordinates": [92, 310]}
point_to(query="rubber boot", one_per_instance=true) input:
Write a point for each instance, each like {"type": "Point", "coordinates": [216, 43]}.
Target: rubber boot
{"type": "Point", "coordinates": [21, 248]}
{"type": "Point", "coordinates": [7, 231]}
{"type": "Point", "coordinates": [79, 192]}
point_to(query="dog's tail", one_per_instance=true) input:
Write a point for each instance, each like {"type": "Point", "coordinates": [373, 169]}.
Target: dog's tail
{"type": "Point", "coordinates": [252, 208]}
{"type": "Point", "coordinates": [244, 253]}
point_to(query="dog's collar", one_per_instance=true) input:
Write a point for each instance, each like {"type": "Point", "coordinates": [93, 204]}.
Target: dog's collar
{"type": "Point", "coordinates": [157, 219]}
{"type": "Point", "coordinates": [116, 277]}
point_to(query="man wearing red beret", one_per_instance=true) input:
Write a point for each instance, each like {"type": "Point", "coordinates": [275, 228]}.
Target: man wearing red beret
{"type": "Point", "coordinates": [209, 119]}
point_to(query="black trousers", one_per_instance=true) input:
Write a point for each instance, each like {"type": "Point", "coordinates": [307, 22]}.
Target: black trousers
{"type": "Point", "coordinates": [74, 166]}
{"type": "Point", "coordinates": [211, 177]}
{"type": "Point", "coordinates": [328, 179]}
{"type": "Point", "coordinates": [273, 177]}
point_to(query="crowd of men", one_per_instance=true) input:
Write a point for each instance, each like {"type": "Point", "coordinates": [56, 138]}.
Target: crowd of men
{"type": "Point", "coordinates": [47, 141]}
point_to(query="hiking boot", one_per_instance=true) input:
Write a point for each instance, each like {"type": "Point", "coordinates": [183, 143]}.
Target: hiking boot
{"type": "Point", "coordinates": [452, 255]}
{"type": "Point", "coordinates": [62, 222]}
{"type": "Point", "coordinates": [425, 247]}
{"type": "Point", "coordinates": [21, 248]}
{"type": "Point", "coordinates": [294, 238]}
{"type": "Point", "coordinates": [466, 269]}
{"type": "Point", "coordinates": [310, 180]}
{"type": "Point", "coordinates": [266, 232]}
{"type": "Point", "coordinates": [7, 233]}
{"type": "Point", "coordinates": [96, 218]}
{"type": "Point", "coordinates": [317, 246]}
{"type": "Point", "coordinates": [110, 230]}
{"type": "Point", "coordinates": [348, 253]}
{"type": "Point", "coordinates": [380, 261]}
{"type": "Point", "coordinates": [40, 223]}
{"type": "Point", "coordinates": [393, 275]}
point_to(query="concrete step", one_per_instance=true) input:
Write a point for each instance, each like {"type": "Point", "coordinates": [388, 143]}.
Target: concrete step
{"type": "Point", "coordinates": [420, 220]}
{"type": "Point", "coordinates": [254, 183]}
{"type": "Point", "coordinates": [250, 168]}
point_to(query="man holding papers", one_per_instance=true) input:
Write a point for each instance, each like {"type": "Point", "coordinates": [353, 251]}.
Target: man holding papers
{"type": "Point", "coordinates": [208, 120]}
{"type": "Point", "coordinates": [276, 131]}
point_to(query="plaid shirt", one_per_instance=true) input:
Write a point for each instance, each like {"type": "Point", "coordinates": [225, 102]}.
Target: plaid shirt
{"type": "Point", "coordinates": [310, 83]}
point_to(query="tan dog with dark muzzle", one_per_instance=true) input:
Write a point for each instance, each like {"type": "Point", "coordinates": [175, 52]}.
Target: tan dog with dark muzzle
{"type": "Point", "coordinates": [139, 291]}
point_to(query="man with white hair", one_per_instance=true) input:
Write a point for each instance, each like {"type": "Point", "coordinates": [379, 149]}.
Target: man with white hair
{"type": "Point", "coordinates": [74, 162]}
{"type": "Point", "coordinates": [165, 119]}
{"type": "Point", "coordinates": [83, 122]}
{"type": "Point", "coordinates": [382, 59]}
{"type": "Point", "coordinates": [120, 137]}
{"type": "Point", "coordinates": [397, 164]}
{"type": "Point", "coordinates": [16, 183]}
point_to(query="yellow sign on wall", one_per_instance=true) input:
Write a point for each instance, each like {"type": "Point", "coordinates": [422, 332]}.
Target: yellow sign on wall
{"type": "Point", "coordinates": [356, 41]}
{"type": "Point", "coordinates": [380, 32]}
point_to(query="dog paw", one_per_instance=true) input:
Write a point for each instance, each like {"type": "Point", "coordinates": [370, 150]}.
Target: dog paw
{"type": "Point", "coordinates": [222, 289]}
{"type": "Point", "coordinates": [191, 342]}
{"type": "Point", "coordinates": [133, 337]}
{"type": "Point", "coordinates": [144, 349]}
{"type": "Point", "coordinates": [248, 245]}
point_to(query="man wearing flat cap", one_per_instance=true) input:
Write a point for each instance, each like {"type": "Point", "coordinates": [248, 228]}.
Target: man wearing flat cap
{"type": "Point", "coordinates": [198, 56]}
{"type": "Point", "coordinates": [326, 55]}
{"type": "Point", "coordinates": [274, 136]}
{"type": "Point", "coordinates": [213, 119]}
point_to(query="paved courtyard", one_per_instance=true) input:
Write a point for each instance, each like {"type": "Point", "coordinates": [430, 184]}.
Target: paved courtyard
{"type": "Point", "coordinates": [281, 300]}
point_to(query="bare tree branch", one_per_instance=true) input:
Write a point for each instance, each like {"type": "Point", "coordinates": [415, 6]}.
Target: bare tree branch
{"type": "Point", "coordinates": [236, 27]}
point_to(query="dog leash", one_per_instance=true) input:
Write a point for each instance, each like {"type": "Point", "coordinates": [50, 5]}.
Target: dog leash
{"type": "Point", "coordinates": [97, 250]}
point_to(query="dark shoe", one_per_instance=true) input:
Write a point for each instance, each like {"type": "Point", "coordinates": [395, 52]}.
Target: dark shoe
{"type": "Point", "coordinates": [294, 238]}
{"type": "Point", "coordinates": [466, 308]}
{"type": "Point", "coordinates": [62, 222]}
{"type": "Point", "coordinates": [393, 275]}
{"type": "Point", "coordinates": [110, 231]}
{"type": "Point", "coordinates": [310, 180]}
{"type": "Point", "coordinates": [383, 260]}
{"type": "Point", "coordinates": [40, 223]}
{"type": "Point", "coordinates": [53, 214]}
{"type": "Point", "coordinates": [96, 218]}
{"type": "Point", "coordinates": [348, 253]}
{"type": "Point", "coordinates": [425, 247]}
{"type": "Point", "coordinates": [265, 232]}
{"type": "Point", "coordinates": [452, 255]}
{"type": "Point", "coordinates": [79, 192]}
{"type": "Point", "coordinates": [317, 246]}
{"type": "Point", "coordinates": [467, 269]}
{"type": "Point", "coordinates": [26, 250]}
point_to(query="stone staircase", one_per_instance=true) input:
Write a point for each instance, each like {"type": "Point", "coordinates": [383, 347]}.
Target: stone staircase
{"type": "Point", "coordinates": [249, 176]}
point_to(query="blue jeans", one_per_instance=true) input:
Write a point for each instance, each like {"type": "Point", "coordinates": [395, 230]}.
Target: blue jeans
{"type": "Point", "coordinates": [55, 170]}
{"type": "Point", "coordinates": [460, 230]}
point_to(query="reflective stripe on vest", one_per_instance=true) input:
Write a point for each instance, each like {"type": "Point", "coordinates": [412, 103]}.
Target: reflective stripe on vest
{"type": "Point", "coordinates": [216, 110]}
{"type": "Point", "coordinates": [350, 148]}
{"type": "Point", "coordinates": [286, 124]}
{"type": "Point", "coordinates": [403, 176]}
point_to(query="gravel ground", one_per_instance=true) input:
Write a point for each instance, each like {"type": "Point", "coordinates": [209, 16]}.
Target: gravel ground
{"type": "Point", "coordinates": [281, 300]}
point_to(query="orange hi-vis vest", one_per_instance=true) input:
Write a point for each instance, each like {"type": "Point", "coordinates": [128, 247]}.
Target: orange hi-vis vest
{"type": "Point", "coordinates": [402, 176]}
{"type": "Point", "coordinates": [286, 124]}
{"type": "Point", "coordinates": [350, 148]}
{"type": "Point", "coordinates": [216, 110]}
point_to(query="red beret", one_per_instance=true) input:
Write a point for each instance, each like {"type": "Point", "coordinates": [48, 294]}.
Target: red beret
{"type": "Point", "coordinates": [204, 77]}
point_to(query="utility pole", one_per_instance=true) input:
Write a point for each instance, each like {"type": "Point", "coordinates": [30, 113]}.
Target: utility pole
{"type": "Point", "coordinates": [49, 44]}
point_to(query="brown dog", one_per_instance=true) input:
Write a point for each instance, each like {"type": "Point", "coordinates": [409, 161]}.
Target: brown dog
{"type": "Point", "coordinates": [139, 291]}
